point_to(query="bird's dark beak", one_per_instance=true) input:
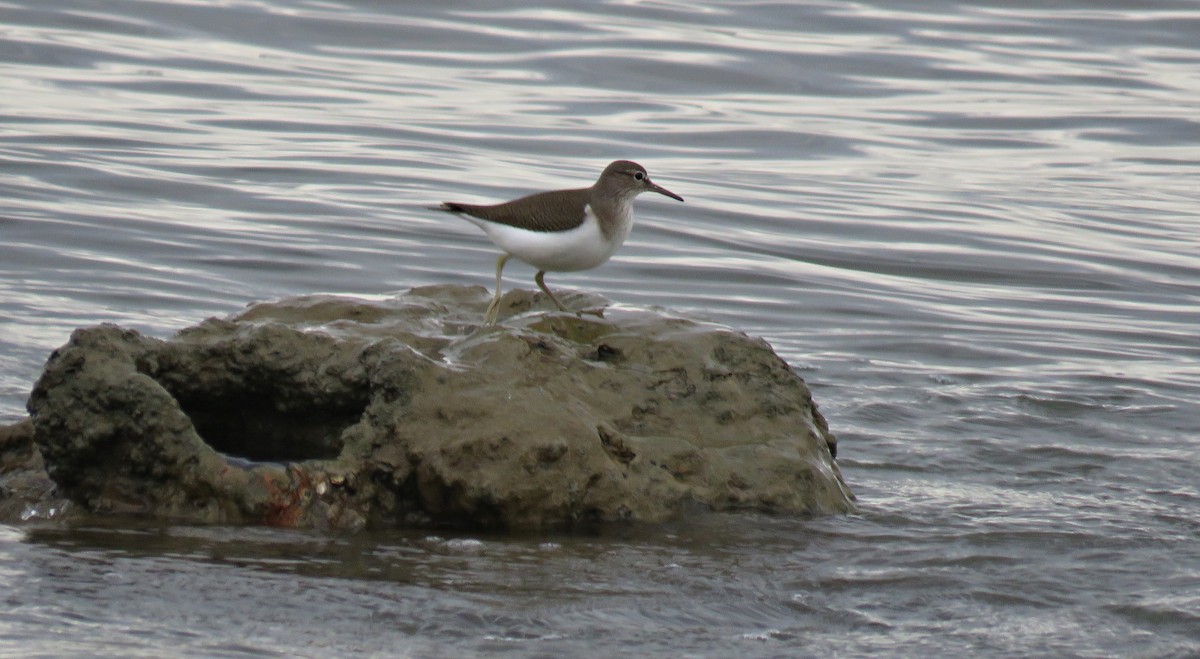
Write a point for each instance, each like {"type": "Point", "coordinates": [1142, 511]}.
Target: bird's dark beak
{"type": "Point", "coordinates": [654, 187]}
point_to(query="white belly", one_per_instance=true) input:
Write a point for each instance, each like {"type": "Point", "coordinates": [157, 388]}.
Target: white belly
{"type": "Point", "coordinates": [580, 248]}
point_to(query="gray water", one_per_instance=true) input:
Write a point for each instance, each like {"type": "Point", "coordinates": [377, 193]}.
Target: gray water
{"type": "Point", "coordinates": [971, 227]}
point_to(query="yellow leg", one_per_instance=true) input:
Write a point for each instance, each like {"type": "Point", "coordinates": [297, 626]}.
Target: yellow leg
{"type": "Point", "coordinates": [539, 278]}
{"type": "Point", "coordinates": [493, 309]}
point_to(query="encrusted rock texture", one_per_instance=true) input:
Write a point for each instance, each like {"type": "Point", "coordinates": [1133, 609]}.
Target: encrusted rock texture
{"type": "Point", "coordinates": [335, 412]}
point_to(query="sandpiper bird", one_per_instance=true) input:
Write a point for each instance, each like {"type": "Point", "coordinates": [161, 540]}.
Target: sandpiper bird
{"type": "Point", "coordinates": [562, 230]}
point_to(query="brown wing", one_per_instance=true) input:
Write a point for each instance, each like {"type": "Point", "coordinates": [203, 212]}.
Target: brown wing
{"type": "Point", "coordinates": [545, 211]}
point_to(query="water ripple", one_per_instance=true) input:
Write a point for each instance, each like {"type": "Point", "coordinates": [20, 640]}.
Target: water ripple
{"type": "Point", "coordinates": [971, 226]}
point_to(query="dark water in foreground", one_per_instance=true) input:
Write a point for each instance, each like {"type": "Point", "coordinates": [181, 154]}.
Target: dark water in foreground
{"type": "Point", "coordinates": [972, 228]}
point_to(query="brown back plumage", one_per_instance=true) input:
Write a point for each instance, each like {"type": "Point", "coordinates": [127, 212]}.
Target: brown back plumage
{"type": "Point", "coordinates": [559, 210]}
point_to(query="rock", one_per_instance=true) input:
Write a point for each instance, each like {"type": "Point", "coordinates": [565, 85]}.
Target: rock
{"type": "Point", "coordinates": [26, 491]}
{"type": "Point", "coordinates": [326, 411]}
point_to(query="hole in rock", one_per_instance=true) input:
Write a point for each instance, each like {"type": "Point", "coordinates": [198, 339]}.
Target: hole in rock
{"type": "Point", "coordinates": [261, 427]}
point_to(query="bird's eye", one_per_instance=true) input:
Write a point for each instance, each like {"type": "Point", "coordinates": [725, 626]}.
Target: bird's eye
{"type": "Point", "coordinates": [638, 176]}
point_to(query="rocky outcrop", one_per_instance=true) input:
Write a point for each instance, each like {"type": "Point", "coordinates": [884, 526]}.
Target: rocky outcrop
{"type": "Point", "coordinates": [325, 411]}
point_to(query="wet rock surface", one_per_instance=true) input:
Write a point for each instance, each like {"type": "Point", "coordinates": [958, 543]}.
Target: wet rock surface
{"type": "Point", "coordinates": [327, 411]}
{"type": "Point", "coordinates": [26, 491]}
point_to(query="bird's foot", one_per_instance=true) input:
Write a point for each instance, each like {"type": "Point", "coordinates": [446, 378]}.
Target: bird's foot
{"type": "Point", "coordinates": [492, 313]}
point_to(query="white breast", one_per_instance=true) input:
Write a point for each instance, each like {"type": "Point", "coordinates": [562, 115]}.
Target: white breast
{"type": "Point", "coordinates": [581, 248]}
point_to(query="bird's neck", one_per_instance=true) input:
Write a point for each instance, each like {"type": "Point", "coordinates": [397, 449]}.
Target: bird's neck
{"type": "Point", "coordinates": [615, 216]}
